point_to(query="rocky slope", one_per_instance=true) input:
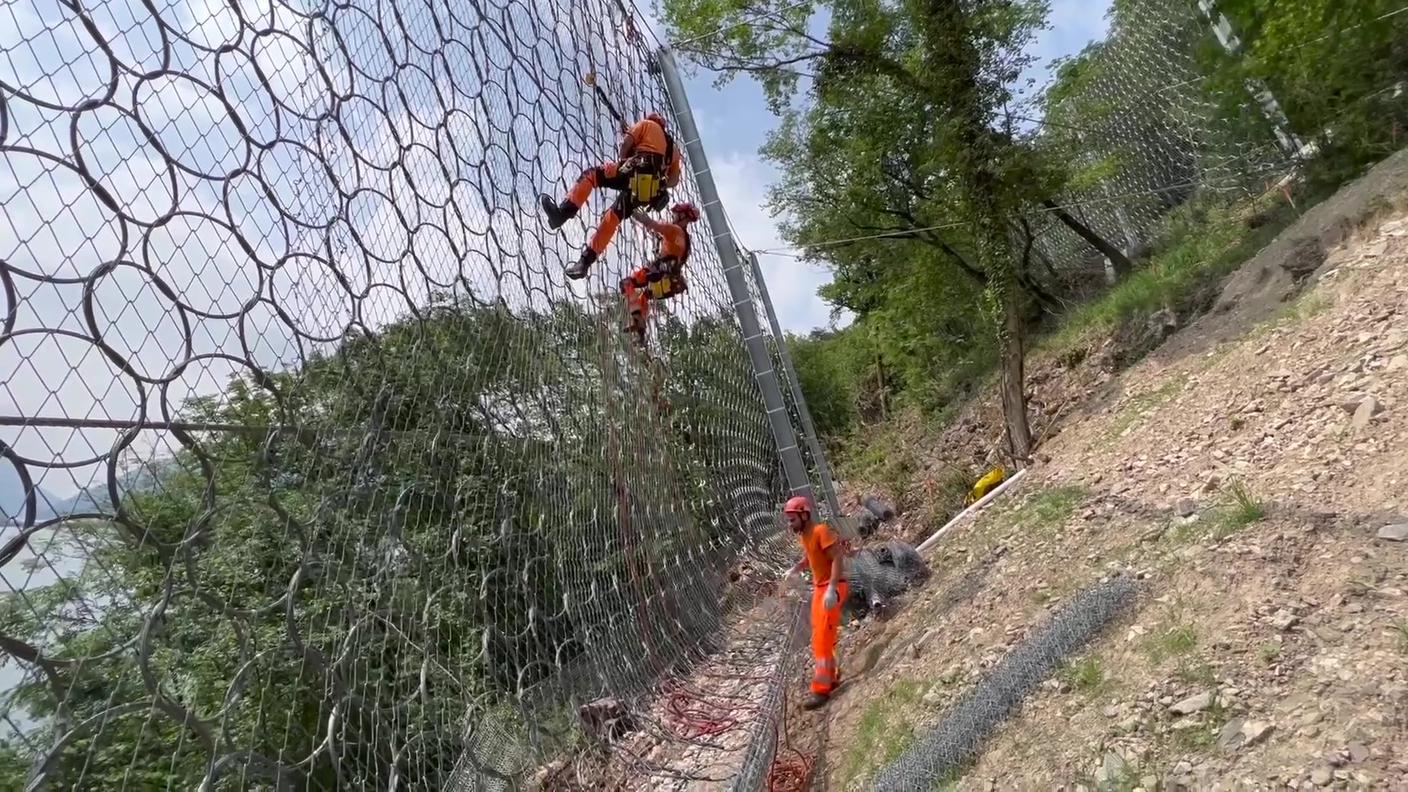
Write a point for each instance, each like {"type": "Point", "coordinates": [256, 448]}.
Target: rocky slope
{"type": "Point", "coordinates": [1252, 472]}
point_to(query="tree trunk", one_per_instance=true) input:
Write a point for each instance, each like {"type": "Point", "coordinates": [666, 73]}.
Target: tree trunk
{"type": "Point", "coordinates": [1024, 275]}
{"type": "Point", "coordinates": [1014, 397]}
{"type": "Point", "coordinates": [1118, 260]}
{"type": "Point", "coordinates": [880, 388]}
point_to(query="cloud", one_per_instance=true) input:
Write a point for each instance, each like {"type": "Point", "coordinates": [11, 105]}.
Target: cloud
{"type": "Point", "coordinates": [743, 181]}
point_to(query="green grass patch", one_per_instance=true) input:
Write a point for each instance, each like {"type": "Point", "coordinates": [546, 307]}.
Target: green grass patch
{"type": "Point", "coordinates": [885, 730]}
{"type": "Point", "coordinates": [1269, 652]}
{"type": "Point", "coordinates": [1201, 242]}
{"type": "Point", "coordinates": [1204, 735]}
{"type": "Point", "coordinates": [1127, 779]}
{"type": "Point", "coordinates": [886, 459]}
{"type": "Point", "coordinates": [1174, 642]}
{"type": "Point", "coordinates": [1134, 410]}
{"type": "Point", "coordinates": [1086, 675]}
{"type": "Point", "coordinates": [1046, 509]}
{"type": "Point", "coordinates": [1304, 307]}
{"type": "Point", "coordinates": [1240, 510]}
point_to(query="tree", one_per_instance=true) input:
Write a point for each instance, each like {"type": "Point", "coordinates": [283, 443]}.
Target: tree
{"type": "Point", "coordinates": [416, 528]}
{"type": "Point", "coordinates": [901, 131]}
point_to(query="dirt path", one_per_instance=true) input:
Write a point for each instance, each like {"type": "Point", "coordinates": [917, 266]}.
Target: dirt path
{"type": "Point", "coordinates": [1247, 483]}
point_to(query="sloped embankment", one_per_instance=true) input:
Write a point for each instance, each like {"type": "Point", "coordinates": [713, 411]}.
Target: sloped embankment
{"type": "Point", "coordinates": [1248, 473]}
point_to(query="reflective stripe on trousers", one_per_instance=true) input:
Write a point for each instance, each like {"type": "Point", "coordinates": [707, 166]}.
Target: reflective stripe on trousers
{"type": "Point", "coordinates": [826, 629]}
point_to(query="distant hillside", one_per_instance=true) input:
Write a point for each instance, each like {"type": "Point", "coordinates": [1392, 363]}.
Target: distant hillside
{"type": "Point", "coordinates": [12, 498]}
{"type": "Point", "coordinates": [93, 498]}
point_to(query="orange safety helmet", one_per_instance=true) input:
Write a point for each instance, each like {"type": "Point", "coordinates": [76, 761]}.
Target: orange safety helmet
{"type": "Point", "coordinates": [657, 118]}
{"type": "Point", "coordinates": [686, 209]}
{"type": "Point", "coordinates": [798, 504]}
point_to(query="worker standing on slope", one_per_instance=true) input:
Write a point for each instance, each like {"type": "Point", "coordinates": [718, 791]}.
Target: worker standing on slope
{"type": "Point", "coordinates": [824, 554]}
{"type": "Point", "coordinates": [648, 163]}
{"type": "Point", "coordinates": [662, 277]}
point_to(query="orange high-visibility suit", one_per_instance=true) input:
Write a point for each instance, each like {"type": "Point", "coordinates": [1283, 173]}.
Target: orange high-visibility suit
{"type": "Point", "coordinates": [821, 544]}
{"type": "Point", "coordinates": [653, 159]}
{"type": "Point", "coordinates": [661, 279]}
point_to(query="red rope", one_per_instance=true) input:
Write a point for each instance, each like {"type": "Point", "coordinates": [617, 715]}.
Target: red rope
{"type": "Point", "coordinates": [790, 775]}
{"type": "Point", "coordinates": [693, 720]}
{"type": "Point", "coordinates": [793, 774]}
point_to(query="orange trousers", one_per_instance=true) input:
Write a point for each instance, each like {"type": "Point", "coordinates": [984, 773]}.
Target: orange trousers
{"type": "Point", "coordinates": [826, 629]}
{"type": "Point", "coordinates": [616, 176]}
{"type": "Point", "coordinates": [609, 175]}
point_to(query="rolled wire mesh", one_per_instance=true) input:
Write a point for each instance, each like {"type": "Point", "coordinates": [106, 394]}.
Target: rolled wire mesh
{"type": "Point", "coordinates": [316, 471]}
{"type": "Point", "coordinates": [960, 733]}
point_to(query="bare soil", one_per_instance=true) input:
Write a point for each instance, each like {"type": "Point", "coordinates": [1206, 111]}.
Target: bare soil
{"type": "Point", "coordinates": [1244, 470]}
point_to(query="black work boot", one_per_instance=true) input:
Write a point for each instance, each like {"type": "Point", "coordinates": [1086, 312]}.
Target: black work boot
{"type": "Point", "coordinates": [815, 701]}
{"type": "Point", "coordinates": [557, 213]}
{"type": "Point", "coordinates": [583, 265]}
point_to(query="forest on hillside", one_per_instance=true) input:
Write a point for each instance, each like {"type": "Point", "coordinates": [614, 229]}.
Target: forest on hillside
{"type": "Point", "coordinates": [977, 214]}
{"type": "Point", "coordinates": [431, 520]}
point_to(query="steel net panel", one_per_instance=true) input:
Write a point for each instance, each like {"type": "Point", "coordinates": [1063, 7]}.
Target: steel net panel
{"type": "Point", "coordinates": [317, 473]}
{"type": "Point", "coordinates": [1145, 133]}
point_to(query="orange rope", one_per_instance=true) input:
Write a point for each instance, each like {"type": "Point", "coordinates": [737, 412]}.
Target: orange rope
{"type": "Point", "coordinates": [793, 774]}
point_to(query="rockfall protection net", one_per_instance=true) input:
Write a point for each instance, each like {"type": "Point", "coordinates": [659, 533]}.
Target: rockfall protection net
{"type": "Point", "coordinates": [1137, 118]}
{"type": "Point", "coordinates": [935, 756]}
{"type": "Point", "coordinates": [317, 473]}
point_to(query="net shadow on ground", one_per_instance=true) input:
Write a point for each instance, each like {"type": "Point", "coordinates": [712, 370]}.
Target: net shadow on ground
{"type": "Point", "coordinates": [961, 733]}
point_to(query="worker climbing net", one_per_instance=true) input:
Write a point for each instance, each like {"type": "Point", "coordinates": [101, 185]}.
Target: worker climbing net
{"type": "Point", "coordinates": [318, 472]}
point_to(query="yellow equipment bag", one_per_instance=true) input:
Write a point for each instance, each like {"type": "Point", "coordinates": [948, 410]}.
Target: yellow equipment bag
{"type": "Point", "coordinates": [662, 288]}
{"type": "Point", "coordinates": [985, 485]}
{"type": "Point", "coordinates": [645, 187]}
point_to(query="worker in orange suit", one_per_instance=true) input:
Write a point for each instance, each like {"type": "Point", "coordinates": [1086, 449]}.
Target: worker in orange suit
{"type": "Point", "coordinates": [648, 164]}
{"type": "Point", "coordinates": [824, 553]}
{"type": "Point", "coordinates": [663, 276]}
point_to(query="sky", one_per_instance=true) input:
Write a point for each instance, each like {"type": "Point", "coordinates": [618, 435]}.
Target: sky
{"type": "Point", "coordinates": [52, 367]}
{"type": "Point", "coordinates": [734, 121]}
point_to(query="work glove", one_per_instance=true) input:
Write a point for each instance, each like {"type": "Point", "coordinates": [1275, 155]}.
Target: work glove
{"type": "Point", "coordinates": [828, 600]}
{"type": "Point", "coordinates": [790, 579]}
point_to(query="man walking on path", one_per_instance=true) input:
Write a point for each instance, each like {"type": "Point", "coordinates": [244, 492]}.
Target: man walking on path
{"type": "Point", "coordinates": [824, 554]}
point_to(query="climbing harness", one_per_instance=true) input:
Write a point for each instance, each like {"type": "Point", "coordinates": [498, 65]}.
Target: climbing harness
{"type": "Point", "coordinates": [647, 171]}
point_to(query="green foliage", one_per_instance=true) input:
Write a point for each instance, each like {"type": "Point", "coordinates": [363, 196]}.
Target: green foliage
{"type": "Point", "coordinates": [900, 136]}
{"type": "Point", "coordinates": [1240, 510]}
{"type": "Point", "coordinates": [1177, 640]}
{"type": "Point", "coordinates": [1270, 652]}
{"type": "Point", "coordinates": [884, 731]}
{"type": "Point", "coordinates": [830, 367]}
{"type": "Point", "coordinates": [1199, 243]}
{"type": "Point", "coordinates": [1334, 66]}
{"type": "Point", "coordinates": [1086, 675]}
{"type": "Point", "coordinates": [883, 458]}
{"type": "Point", "coordinates": [364, 568]}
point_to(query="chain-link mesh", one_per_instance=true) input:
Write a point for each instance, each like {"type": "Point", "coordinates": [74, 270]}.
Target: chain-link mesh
{"type": "Point", "coordinates": [960, 734]}
{"type": "Point", "coordinates": [317, 471]}
{"type": "Point", "coordinates": [1135, 119]}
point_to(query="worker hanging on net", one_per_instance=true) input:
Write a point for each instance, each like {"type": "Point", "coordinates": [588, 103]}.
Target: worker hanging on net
{"type": "Point", "coordinates": [825, 554]}
{"type": "Point", "coordinates": [648, 164]}
{"type": "Point", "coordinates": [662, 277]}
